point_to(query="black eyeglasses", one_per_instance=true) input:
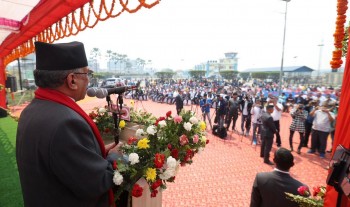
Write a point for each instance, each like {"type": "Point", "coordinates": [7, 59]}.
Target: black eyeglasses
{"type": "Point", "coordinates": [89, 74]}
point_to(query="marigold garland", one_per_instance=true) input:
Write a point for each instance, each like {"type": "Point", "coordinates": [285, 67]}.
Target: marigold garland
{"type": "Point", "coordinates": [339, 35]}
{"type": "Point", "coordinates": [75, 22]}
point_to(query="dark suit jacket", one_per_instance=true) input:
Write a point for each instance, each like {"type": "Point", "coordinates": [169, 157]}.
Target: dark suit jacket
{"type": "Point", "coordinates": [268, 128]}
{"type": "Point", "coordinates": [179, 102]}
{"type": "Point", "coordinates": [269, 190]}
{"type": "Point", "coordinates": [59, 159]}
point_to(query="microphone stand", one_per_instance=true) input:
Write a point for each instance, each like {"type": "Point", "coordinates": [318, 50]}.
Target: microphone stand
{"type": "Point", "coordinates": [116, 117]}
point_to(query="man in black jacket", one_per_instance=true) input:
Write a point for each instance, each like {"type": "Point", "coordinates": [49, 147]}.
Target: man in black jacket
{"type": "Point", "coordinates": [268, 130]}
{"type": "Point", "coordinates": [61, 158]}
{"type": "Point", "coordinates": [179, 102]}
{"type": "Point", "coordinates": [269, 188]}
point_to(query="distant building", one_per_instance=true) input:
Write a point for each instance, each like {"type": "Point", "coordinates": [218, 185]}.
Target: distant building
{"type": "Point", "coordinates": [213, 67]}
{"type": "Point", "coordinates": [333, 78]}
{"type": "Point", "coordinates": [291, 74]}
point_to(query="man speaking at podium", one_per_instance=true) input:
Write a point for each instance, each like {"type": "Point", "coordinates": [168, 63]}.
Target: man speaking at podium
{"type": "Point", "coordinates": [61, 158]}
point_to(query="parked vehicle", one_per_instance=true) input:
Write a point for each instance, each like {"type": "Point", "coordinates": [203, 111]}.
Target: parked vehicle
{"type": "Point", "coordinates": [112, 82]}
{"type": "Point", "coordinates": [28, 84]}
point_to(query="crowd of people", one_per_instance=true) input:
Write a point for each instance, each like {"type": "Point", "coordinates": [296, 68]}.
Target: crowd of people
{"type": "Point", "coordinates": [313, 109]}
{"type": "Point", "coordinates": [51, 160]}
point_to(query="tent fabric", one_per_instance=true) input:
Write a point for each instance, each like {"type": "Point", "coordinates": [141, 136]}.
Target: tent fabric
{"type": "Point", "coordinates": [342, 132]}
{"type": "Point", "coordinates": [43, 21]}
{"type": "Point", "coordinates": [13, 14]}
{"type": "Point", "coordinates": [42, 15]}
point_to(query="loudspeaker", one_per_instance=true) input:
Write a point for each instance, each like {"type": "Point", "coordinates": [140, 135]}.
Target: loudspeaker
{"type": "Point", "coordinates": [11, 83]}
{"type": "Point", "coordinates": [3, 112]}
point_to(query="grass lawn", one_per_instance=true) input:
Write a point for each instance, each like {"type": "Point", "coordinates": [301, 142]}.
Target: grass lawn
{"type": "Point", "coordinates": [10, 190]}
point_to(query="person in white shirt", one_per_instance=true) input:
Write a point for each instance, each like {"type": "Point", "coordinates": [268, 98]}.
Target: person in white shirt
{"type": "Point", "coordinates": [276, 115]}
{"type": "Point", "coordinates": [256, 112]}
{"type": "Point", "coordinates": [321, 127]}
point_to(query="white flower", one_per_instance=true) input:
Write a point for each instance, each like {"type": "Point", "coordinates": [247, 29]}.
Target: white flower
{"type": "Point", "coordinates": [152, 130]}
{"type": "Point", "coordinates": [188, 126]}
{"type": "Point", "coordinates": [200, 149]}
{"type": "Point", "coordinates": [101, 110]}
{"type": "Point", "coordinates": [171, 162]}
{"type": "Point", "coordinates": [134, 158]}
{"type": "Point", "coordinates": [94, 120]}
{"type": "Point", "coordinates": [139, 133]}
{"type": "Point", "coordinates": [168, 173]}
{"type": "Point", "coordinates": [194, 120]}
{"type": "Point", "coordinates": [162, 123]}
{"type": "Point", "coordinates": [203, 139]}
{"type": "Point", "coordinates": [117, 178]}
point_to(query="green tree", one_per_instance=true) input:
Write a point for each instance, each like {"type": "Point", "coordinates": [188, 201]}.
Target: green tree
{"type": "Point", "coordinates": [95, 54]}
{"type": "Point", "coordinates": [228, 74]}
{"type": "Point", "coordinates": [197, 74]}
{"type": "Point", "coordinates": [109, 55]}
{"type": "Point", "coordinates": [165, 74]}
{"type": "Point", "coordinates": [244, 75]}
{"type": "Point", "coordinates": [260, 75]}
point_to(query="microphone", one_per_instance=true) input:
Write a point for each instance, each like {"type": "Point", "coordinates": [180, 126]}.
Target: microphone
{"type": "Point", "coordinates": [104, 92]}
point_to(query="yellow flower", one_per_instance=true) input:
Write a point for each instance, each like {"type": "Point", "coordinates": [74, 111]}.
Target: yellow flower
{"type": "Point", "coordinates": [121, 124]}
{"type": "Point", "coordinates": [143, 143]}
{"type": "Point", "coordinates": [202, 125]}
{"type": "Point", "coordinates": [132, 103]}
{"type": "Point", "coordinates": [151, 174]}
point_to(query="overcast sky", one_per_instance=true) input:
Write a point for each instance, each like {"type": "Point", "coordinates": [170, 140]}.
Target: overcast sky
{"type": "Point", "coordinates": [179, 34]}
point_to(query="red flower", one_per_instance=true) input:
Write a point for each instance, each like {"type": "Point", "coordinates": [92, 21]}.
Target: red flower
{"type": "Point", "coordinates": [175, 153]}
{"type": "Point", "coordinates": [137, 191]}
{"type": "Point", "coordinates": [169, 146]}
{"type": "Point", "coordinates": [168, 113]}
{"type": "Point", "coordinates": [161, 118]}
{"type": "Point", "coordinates": [207, 141]}
{"type": "Point", "coordinates": [107, 130]}
{"type": "Point", "coordinates": [317, 190]}
{"type": "Point", "coordinates": [159, 160]}
{"type": "Point", "coordinates": [156, 184]}
{"type": "Point", "coordinates": [131, 140]}
{"type": "Point", "coordinates": [92, 115]}
{"type": "Point", "coordinates": [154, 193]}
{"type": "Point", "coordinates": [303, 190]}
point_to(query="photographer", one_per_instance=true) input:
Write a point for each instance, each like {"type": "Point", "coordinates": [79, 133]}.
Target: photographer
{"type": "Point", "coordinates": [276, 115]}
{"type": "Point", "coordinates": [308, 122]}
{"type": "Point", "coordinates": [232, 114]}
{"type": "Point", "coordinates": [256, 112]}
{"type": "Point", "coordinates": [321, 127]}
{"type": "Point", "coordinates": [221, 110]}
{"type": "Point", "coordinates": [245, 107]}
{"type": "Point", "coordinates": [196, 97]}
{"type": "Point", "coordinates": [205, 105]}
{"type": "Point", "coordinates": [299, 116]}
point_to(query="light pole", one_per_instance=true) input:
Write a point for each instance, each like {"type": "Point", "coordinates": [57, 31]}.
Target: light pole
{"type": "Point", "coordinates": [284, 40]}
{"type": "Point", "coordinates": [319, 63]}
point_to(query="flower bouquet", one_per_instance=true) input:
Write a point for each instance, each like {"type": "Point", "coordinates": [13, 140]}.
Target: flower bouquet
{"type": "Point", "coordinates": [104, 121]}
{"type": "Point", "coordinates": [304, 199]}
{"type": "Point", "coordinates": [156, 152]}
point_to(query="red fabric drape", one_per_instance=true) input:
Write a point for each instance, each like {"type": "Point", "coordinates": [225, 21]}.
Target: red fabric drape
{"type": "Point", "coordinates": [342, 131]}
{"type": "Point", "coordinates": [2, 82]}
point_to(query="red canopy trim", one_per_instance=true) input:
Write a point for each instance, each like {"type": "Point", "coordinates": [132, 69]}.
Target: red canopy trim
{"type": "Point", "coordinates": [70, 24]}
